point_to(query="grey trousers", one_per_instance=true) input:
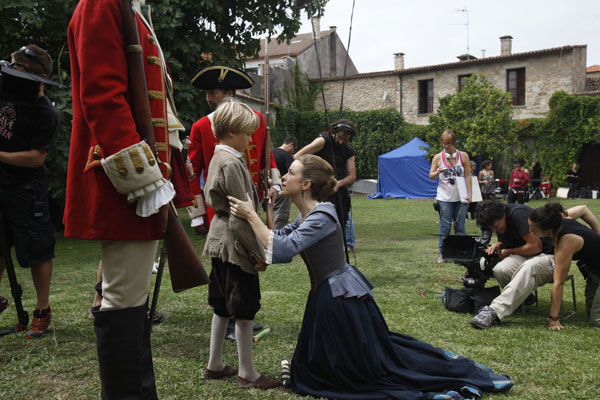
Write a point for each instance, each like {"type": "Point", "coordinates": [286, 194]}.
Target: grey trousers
{"type": "Point", "coordinates": [519, 276]}
{"type": "Point", "coordinates": [281, 209]}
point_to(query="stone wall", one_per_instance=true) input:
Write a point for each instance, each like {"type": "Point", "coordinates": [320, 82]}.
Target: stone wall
{"type": "Point", "coordinates": [544, 74]}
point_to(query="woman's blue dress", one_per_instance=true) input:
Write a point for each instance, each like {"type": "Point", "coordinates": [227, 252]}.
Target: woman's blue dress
{"type": "Point", "coordinates": [345, 349]}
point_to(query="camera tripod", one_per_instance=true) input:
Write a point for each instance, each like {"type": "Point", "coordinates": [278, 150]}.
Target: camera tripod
{"type": "Point", "coordinates": [15, 288]}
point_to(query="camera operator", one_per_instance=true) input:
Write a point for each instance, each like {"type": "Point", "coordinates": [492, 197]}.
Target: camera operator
{"type": "Point", "coordinates": [526, 262]}
{"type": "Point", "coordinates": [334, 145]}
{"type": "Point", "coordinates": [26, 134]}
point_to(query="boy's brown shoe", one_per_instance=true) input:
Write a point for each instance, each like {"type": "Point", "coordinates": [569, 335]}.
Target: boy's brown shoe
{"type": "Point", "coordinates": [263, 382]}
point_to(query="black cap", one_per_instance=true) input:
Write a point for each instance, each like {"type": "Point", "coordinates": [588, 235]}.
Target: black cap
{"type": "Point", "coordinates": [220, 77]}
{"type": "Point", "coordinates": [20, 87]}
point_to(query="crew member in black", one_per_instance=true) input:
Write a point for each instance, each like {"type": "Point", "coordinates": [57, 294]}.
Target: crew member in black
{"type": "Point", "coordinates": [27, 132]}
{"type": "Point", "coordinates": [335, 142]}
{"type": "Point", "coordinates": [573, 241]}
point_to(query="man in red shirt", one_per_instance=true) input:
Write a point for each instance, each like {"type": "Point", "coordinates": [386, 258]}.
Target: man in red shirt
{"type": "Point", "coordinates": [221, 82]}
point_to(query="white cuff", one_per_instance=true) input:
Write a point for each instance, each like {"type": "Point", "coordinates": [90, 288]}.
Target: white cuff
{"type": "Point", "coordinates": [277, 187]}
{"type": "Point", "coordinates": [269, 249]}
{"type": "Point", "coordinates": [197, 221]}
{"type": "Point", "coordinates": [153, 201]}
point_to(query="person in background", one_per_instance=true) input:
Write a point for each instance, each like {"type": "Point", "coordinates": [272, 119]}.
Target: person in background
{"type": "Point", "coordinates": [573, 242]}
{"type": "Point", "coordinates": [283, 158]}
{"type": "Point", "coordinates": [526, 261]}
{"type": "Point", "coordinates": [335, 148]}
{"type": "Point", "coordinates": [487, 180]}
{"type": "Point", "coordinates": [449, 165]}
{"type": "Point", "coordinates": [536, 175]}
{"type": "Point", "coordinates": [27, 132]}
{"type": "Point", "coordinates": [349, 231]}
{"type": "Point", "coordinates": [517, 186]}
{"type": "Point", "coordinates": [573, 180]}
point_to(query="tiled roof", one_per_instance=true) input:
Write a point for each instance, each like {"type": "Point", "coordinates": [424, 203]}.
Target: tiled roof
{"type": "Point", "coordinates": [593, 68]}
{"type": "Point", "coordinates": [478, 61]}
{"type": "Point", "coordinates": [297, 45]}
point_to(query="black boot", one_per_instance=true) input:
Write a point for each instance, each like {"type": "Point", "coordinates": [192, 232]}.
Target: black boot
{"type": "Point", "coordinates": [148, 381]}
{"type": "Point", "coordinates": [124, 354]}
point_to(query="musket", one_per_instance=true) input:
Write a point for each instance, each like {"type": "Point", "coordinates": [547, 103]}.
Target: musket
{"type": "Point", "coordinates": [184, 264]}
{"type": "Point", "coordinates": [266, 173]}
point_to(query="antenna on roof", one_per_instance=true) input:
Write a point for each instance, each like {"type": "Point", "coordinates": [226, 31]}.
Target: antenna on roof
{"type": "Point", "coordinates": [466, 11]}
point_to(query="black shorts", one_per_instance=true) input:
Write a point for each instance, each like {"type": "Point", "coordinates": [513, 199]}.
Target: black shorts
{"type": "Point", "coordinates": [26, 221]}
{"type": "Point", "coordinates": [233, 292]}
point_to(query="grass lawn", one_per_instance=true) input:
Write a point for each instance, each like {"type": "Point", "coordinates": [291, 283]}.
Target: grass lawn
{"type": "Point", "coordinates": [395, 249]}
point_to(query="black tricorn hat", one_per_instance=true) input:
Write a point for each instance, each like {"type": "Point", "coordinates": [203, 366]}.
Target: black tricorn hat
{"type": "Point", "coordinates": [20, 87]}
{"type": "Point", "coordinates": [220, 77]}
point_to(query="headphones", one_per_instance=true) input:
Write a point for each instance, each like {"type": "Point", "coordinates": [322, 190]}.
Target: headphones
{"type": "Point", "coordinates": [344, 125]}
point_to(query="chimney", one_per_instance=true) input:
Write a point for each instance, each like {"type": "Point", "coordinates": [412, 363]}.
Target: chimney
{"type": "Point", "coordinates": [398, 61]}
{"type": "Point", "coordinates": [505, 45]}
{"type": "Point", "coordinates": [333, 28]}
{"type": "Point", "coordinates": [316, 22]}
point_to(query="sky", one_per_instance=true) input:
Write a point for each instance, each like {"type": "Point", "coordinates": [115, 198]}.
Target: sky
{"type": "Point", "coordinates": [433, 32]}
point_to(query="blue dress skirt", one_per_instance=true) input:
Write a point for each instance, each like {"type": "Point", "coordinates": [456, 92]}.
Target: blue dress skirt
{"type": "Point", "coordinates": [345, 349]}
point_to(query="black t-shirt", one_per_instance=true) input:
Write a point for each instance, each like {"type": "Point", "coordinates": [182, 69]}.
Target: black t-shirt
{"type": "Point", "coordinates": [574, 178]}
{"type": "Point", "coordinates": [283, 159]}
{"type": "Point", "coordinates": [342, 154]}
{"type": "Point", "coordinates": [590, 252]}
{"type": "Point", "coordinates": [517, 225]}
{"type": "Point", "coordinates": [26, 127]}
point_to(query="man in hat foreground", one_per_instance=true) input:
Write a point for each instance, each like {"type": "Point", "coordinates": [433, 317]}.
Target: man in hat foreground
{"type": "Point", "coordinates": [27, 131]}
{"type": "Point", "coordinates": [220, 83]}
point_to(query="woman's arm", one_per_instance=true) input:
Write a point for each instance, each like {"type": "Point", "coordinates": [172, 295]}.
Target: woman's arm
{"type": "Point", "coordinates": [468, 173]}
{"type": "Point", "coordinates": [480, 177]}
{"type": "Point", "coordinates": [314, 147]}
{"type": "Point", "coordinates": [585, 214]}
{"type": "Point", "coordinates": [563, 255]}
{"type": "Point", "coordinates": [435, 169]}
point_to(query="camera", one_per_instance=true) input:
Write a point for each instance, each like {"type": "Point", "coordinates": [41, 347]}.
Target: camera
{"type": "Point", "coordinates": [470, 252]}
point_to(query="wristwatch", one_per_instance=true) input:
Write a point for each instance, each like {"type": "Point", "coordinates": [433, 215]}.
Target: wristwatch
{"type": "Point", "coordinates": [553, 318]}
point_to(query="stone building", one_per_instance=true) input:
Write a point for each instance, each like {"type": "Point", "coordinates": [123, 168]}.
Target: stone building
{"type": "Point", "coordinates": [301, 50]}
{"type": "Point", "coordinates": [531, 77]}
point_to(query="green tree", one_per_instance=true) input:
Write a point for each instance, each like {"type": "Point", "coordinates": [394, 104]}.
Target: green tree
{"type": "Point", "coordinates": [190, 32]}
{"type": "Point", "coordinates": [481, 117]}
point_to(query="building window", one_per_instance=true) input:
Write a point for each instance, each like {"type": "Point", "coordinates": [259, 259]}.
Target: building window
{"type": "Point", "coordinates": [515, 85]}
{"type": "Point", "coordinates": [426, 96]}
{"type": "Point", "coordinates": [462, 81]}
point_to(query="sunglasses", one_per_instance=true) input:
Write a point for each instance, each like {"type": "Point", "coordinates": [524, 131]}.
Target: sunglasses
{"type": "Point", "coordinates": [32, 55]}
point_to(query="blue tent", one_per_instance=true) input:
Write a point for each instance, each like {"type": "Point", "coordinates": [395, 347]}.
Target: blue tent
{"type": "Point", "coordinates": [404, 173]}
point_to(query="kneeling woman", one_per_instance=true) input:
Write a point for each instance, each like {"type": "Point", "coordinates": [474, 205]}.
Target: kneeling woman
{"type": "Point", "coordinates": [572, 241]}
{"type": "Point", "coordinates": [344, 349]}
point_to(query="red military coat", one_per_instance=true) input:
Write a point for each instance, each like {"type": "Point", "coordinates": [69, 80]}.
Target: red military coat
{"type": "Point", "coordinates": [202, 148]}
{"type": "Point", "coordinates": [103, 123]}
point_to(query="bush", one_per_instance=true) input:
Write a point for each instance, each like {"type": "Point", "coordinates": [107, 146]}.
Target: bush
{"type": "Point", "coordinates": [378, 131]}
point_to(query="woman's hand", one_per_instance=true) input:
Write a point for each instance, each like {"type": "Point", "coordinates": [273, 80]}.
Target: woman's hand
{"type": "Point", "coordinates": [241, 209]}
{"type": "Point", "coordinates": [554, 325]}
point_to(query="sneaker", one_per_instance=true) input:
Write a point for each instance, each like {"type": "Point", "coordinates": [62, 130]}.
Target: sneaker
{"type": "Point", "coordinates": [40, 323]}
{"type": "Point", "coordinates": [530, 300]}
{"type": "Point", "coordinates": [440, 260]}
{"type": "Point", "coordinates": [486, 318]}
{"type": "Point", "coordinates": [4, 303]}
